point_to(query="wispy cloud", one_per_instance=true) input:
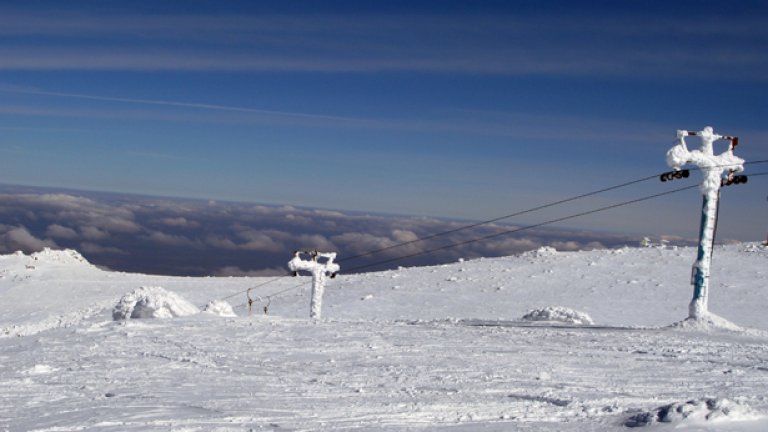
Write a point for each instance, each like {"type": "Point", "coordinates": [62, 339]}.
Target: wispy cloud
{"type": "Point", "coordinates": [636, 44]}
{"type": "Point", "coordinates": [518, 125]}
{"type": "Point", "coordinates": [178, 104]}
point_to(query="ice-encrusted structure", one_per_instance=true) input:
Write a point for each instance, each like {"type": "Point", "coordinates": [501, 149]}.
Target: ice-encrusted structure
{"type": "Point", "coordinates": [712, 168]}
{"type": "Point", "coordinates": [152, 302]}
{"type": "Point", "coordinates": [319, 272]}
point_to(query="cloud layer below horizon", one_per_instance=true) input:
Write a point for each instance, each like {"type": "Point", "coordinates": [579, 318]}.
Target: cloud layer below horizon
{"type": "Point", "coordinates": [199, 238]}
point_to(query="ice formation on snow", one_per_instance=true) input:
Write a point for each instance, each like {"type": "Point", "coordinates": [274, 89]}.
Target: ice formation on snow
{"type": "Point", "coordinates": [558, 314]}
{"type": "Point", "coordinates": [220, 308]}
{"type": "Point", "coordinates": [699, 410]}
{"type": "Point", "coordinates": [152, 302]}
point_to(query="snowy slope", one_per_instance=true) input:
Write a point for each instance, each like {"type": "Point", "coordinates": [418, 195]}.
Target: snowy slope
{"type": "Point", "coordinates": [436, 348]}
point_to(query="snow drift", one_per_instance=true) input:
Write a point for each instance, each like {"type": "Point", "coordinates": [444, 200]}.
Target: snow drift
{"type": "Point", "coordinates": [558, 314]}
{"type": "Point", "coordinates": [152, 302]}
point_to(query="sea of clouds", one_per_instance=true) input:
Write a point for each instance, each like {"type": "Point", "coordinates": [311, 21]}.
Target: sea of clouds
{"type": "Point", "coordinates": [197, 237]}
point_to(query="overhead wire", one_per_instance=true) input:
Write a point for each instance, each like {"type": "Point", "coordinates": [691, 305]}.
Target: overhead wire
{"type": "Point", "coordinates": [549, 222]}
{"type": "Point", "coordinates": [511, 215]}
{"type": "Point", "coordinates": [255, 287]}
{"type": "Point", "coordinates": [486, 222]}
{"type": "Point", "coordinates": [455, 230]}
{"type": "Point", "coordinates": [508, 216]}
{"type": "Point", "coordinates": [528, 227]}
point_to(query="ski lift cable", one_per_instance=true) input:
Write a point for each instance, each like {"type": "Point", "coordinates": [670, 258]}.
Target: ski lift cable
{"type": "Point", "coordinates": [256, 286]}
{"type": "Point", "coordinates": [277, 293]}
{"type": "Point", "coordinates": [717, 213]}
{"type": "Point", "coordinates": [269, 297]}
{"type": "Point", "coordinates": [549, 222]}
{"type": "Point", "coordinates": [486, 222]}
{"type": "Point", "coordinates": [489, 221]}
{"type": "Point", "coordinates": [461, 228]}
{"type": "Point", "coordinates": [531, 210]}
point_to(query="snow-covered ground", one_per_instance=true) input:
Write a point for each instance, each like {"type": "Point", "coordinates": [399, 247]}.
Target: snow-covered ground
{"type": "Point", "coordinates": [434, 348]}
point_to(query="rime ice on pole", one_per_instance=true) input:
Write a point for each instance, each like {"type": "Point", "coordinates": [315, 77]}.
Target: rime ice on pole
{"type": "Point", "coordinates": [712, 168]}
{"type": "Point", "coordinates": [319, 272]}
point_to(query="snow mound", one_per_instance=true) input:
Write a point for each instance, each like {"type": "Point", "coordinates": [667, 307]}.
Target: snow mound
{"type": "Point", "coordinates": [220, 308]}
{"type": "Point", "coordinates": [558, 314]}
{"type": "Point", "coordinates": [701, 410]}
{"type": "Point", "coordinates": [544, 251]}
{"type": "Point", "coordinates": [708, 322]}
{"type": "Point", "coordinates": [152, 302]}
{"type": "Point", "coordinates": [66, 256]}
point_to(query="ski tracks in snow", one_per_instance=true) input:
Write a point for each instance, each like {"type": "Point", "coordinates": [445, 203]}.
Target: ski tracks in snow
{"type": "Point", "coordinates": [208, 373]}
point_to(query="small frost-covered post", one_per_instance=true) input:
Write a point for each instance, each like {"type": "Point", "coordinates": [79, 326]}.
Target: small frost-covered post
{"type": "Point", "coordinates": [712, 168]}
{"type": "Point", "coordinates": [319, 272]}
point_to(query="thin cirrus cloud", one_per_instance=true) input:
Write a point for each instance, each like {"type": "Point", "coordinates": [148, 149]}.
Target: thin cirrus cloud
{"type": "Point", "coordinates": [508, 124]}
{"type": "Point", "coordinates": [580, 61]}
{"type": "Point", "coordinates": [178, 104]}
{"type": "Point", "coordinates": [641, 44]}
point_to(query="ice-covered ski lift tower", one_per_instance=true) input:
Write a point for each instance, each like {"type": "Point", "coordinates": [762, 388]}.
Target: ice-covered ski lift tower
{"type": "Point", "coordinates": [713, 168]}
{"type": "Point", "coordinates": [319, 271]}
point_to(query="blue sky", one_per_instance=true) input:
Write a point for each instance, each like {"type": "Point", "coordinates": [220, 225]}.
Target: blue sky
{"type": "Point", "coordinates": [458, 109]}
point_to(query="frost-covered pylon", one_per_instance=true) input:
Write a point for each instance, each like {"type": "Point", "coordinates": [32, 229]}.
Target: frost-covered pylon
{"type": "Point", "coordinates": [319, 272]}
{"type": "Point", "coordinates": [713, 169]}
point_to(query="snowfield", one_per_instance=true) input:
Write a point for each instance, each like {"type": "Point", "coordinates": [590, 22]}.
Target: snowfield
{"type": "Point", "coordinates": [601, 347]}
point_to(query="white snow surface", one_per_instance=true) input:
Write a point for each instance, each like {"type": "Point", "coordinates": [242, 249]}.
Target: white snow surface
{"type": "Point", "coordinates": [433, 348]}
